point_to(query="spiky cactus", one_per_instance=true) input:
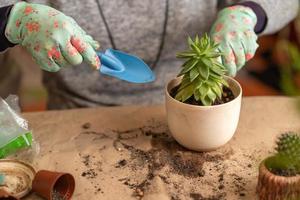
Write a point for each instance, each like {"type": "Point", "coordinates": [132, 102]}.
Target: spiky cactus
{"type": "Point", "coordinates": [287, 159]}
{"type": "Point", "coordinates": [203, 75]}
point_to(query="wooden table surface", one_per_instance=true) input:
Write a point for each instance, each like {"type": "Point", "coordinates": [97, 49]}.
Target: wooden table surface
{"type": "Point", "coordinates": [126, 153]}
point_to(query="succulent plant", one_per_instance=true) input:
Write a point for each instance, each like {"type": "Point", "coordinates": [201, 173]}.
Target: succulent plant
{"type": "Point", "coordinates": [287, 159]}
{"type": "Point", "coordinates": [203, 74]}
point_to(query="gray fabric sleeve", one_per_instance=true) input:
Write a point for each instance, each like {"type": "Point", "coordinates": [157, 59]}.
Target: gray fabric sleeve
{"type": "Point", "coordinates": [7, 2]}
{"type": "Point", "coordinates": [279, 13]}
{"type": "Point", "coordinates": [46, 2]}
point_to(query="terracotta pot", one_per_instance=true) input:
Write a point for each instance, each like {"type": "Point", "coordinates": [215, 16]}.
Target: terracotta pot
{"type": "Point", "coordinates": [274, 187]}
{"type": "Point", "coordinates": [203, 128]}
{"type": "Point", "coordinates": [6, 196]}
{"type": "Point", "coordinates": [46, 182]}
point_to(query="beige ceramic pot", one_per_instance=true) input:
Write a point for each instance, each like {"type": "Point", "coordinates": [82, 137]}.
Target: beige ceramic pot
{"type": "Point", "coordinates": [203, 128]}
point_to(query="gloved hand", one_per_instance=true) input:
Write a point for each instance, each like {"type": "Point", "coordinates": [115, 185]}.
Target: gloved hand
{"type": "Point", "coordinates": [53, 39]}
{"type": "Point", "coordinates": [234, 31]}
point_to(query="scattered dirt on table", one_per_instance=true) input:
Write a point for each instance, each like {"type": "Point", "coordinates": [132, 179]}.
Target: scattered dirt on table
{"type": "Point", "coordinates": [139, 192]}
{"type": "Point", "coordinates": [198, 196]}
{"type": "Point", "coordinates": [92, 170]}
{"type": "Point", "coordinates": [221, 181]}
{"type": "Point", "coordinates": [102, 148]}
{"type": "Point", "coordinates": [99, 135]}
{"type": "Point", "coordinates": [90, 173]}
{"type": "Point", "coordinates": [86, 160]}
{"type": "Point", "coordinates": [185, 173]}
{"type": "Point", "coordinates": [239, 184]}
{"type": "Point", "coordinates": [121, 163]}
{"type": "Point", "coordinates": [86, 125]}
{"type": "Point", "coordinates": [165, 153]}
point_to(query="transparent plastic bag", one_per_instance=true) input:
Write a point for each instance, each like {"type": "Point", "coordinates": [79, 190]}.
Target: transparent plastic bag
{"type": "Point", "coordinates": [15, 135]}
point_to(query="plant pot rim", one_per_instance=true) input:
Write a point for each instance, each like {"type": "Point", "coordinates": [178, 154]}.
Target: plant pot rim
{"type": "Point", "coordinates": [200, 106]}
{"type": "Point", "coordinates": [265, 170]}
{"type": "Point", "coordinates": [30, 169]}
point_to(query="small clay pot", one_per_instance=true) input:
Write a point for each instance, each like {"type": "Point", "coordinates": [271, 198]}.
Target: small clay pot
{"type": "Point", "coordinates": [6, 196]}
{"type": "Point", "coordinates": [45, 183]}
{"type": "Point", "coordinates": [274, 187]}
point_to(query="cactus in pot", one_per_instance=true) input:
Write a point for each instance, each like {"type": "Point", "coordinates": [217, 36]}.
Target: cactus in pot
{"type": "Point", "coordinates": [279, 175]}
{"type": "Point", "coordinates": [287, 160]}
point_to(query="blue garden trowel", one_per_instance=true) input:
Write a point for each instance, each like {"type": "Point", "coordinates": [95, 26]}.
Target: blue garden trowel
{"type": "Point", "coordinates": [125, 67]}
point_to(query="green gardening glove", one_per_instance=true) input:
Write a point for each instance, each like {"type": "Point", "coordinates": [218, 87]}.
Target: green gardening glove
{"type": "Point", "coordinates": [53, 39]}
{"type": "Point", "coordinates": [234, 31]}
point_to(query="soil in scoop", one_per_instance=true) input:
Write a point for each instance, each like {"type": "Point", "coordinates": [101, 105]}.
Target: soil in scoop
{"type": "Point", "coordinates": [227, 96]}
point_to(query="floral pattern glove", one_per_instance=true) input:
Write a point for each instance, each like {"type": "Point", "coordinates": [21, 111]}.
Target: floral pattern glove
{"type": "Point", "coordinates": [53, 39]}
{"type": "Point", "coordinates": [234, 31]}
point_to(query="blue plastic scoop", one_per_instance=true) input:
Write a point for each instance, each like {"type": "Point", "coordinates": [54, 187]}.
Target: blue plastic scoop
{"type": "Point", "coordinates": [125, 67]}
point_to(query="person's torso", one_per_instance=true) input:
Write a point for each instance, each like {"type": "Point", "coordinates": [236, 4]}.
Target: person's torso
{"type": "Point", "coordinates": [151, 29]}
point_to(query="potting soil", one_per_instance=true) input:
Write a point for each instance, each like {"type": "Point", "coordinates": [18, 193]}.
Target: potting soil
{"type": "Point", "coordinates": [227, 96]}
{"type": "Point", "coordinates": [180, 171]}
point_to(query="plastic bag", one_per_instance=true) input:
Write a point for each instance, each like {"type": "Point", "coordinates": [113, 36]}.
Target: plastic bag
{"type": "Point", "coordinates": [14, 132]}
